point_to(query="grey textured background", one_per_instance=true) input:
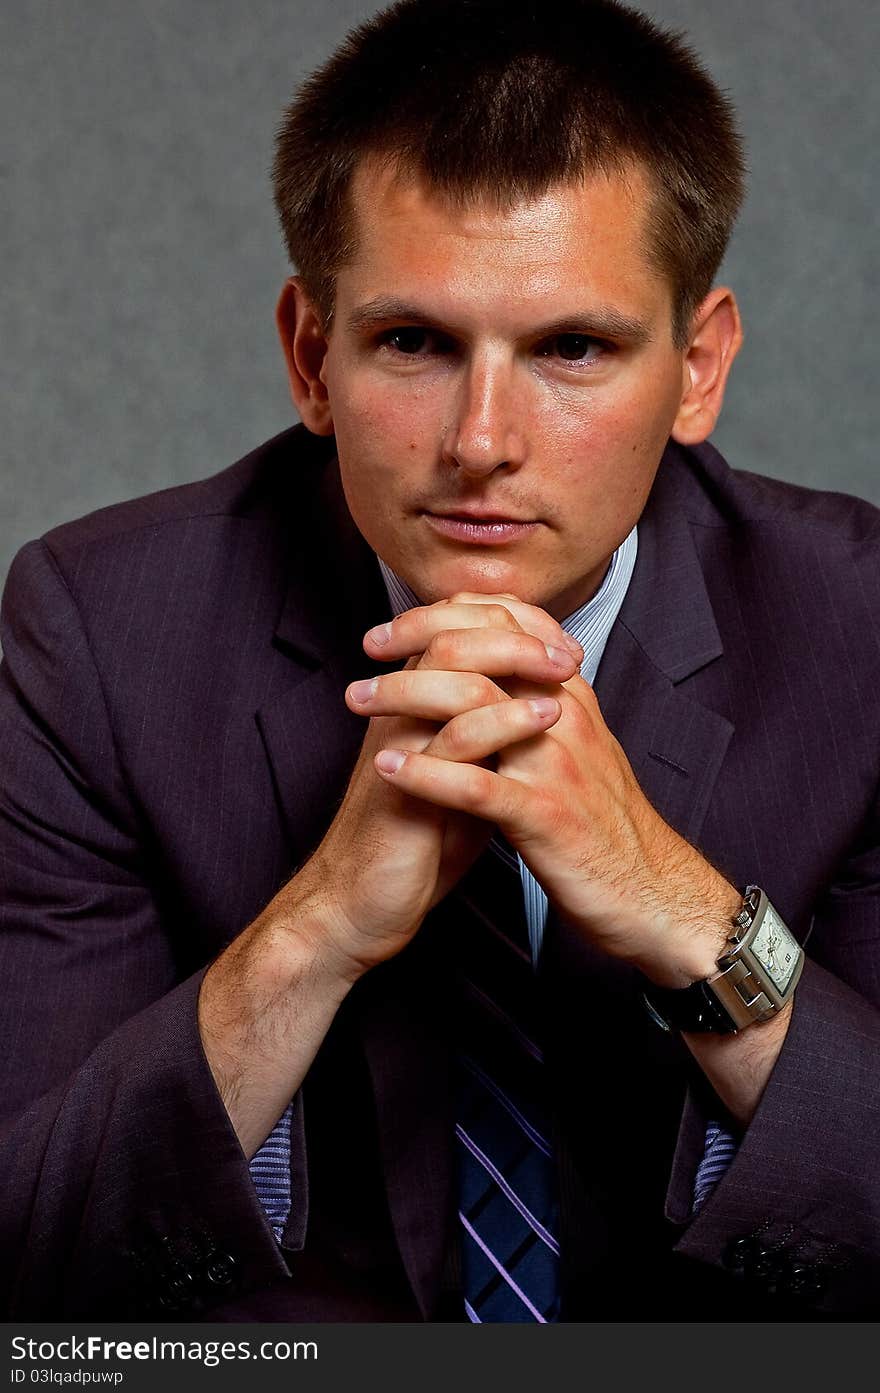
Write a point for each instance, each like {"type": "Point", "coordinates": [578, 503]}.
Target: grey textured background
{"type": "Point", "coordinates": [141, 260]}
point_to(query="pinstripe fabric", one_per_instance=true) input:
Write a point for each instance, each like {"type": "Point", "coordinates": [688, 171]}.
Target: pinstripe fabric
{"type": "Point", "coordinates": [174, 743]}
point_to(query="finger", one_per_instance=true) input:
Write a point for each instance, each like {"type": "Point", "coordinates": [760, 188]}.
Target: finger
{"type": "Point", "coordinates": [478, 734]}
{"type": "Point", "coordinates": [455, 673]}
{"type": "Point", "coordinates": [531, 617]}
{"type": "Point", "coordinates": [424, 695]}
{"type": "Point", "coordinates": [467, 788]}
{"type": "Point", "coordinates": [573, 688]}
{"type": "Point", "coordinates": [412, 631]}
{"type": "Point", "coordinates": [498, 652]}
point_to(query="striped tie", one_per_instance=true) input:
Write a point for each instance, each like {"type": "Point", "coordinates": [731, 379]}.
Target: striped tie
{"type": "Point", "coordinates": [507, 1180]}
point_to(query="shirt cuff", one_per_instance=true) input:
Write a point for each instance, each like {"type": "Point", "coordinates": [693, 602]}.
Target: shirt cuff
{"type": "Point", "coordinates": [270, 1172]}
{"type": "Point", "coordinates": [719, 1150]}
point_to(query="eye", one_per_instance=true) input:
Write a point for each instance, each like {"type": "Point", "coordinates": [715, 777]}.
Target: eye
{"type": "Point", "coordinates": [408, 340]}
{"type": "Point", "coordinates": [412, 340]}
{"type": "Point", "coordinates": [572, 348]}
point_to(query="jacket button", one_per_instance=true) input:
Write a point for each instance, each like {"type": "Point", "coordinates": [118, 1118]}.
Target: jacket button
{"type": "Point", "coordinates": [741, 1253]}
{"type": "Point", "coordinates": [803, 1281]}
{"type": "Point", "coordinates": [177, 1294]}
{"type": "Point", "coordinates": [220, 1271]}
{"type": "Point", "coordinates": [768, 1268]}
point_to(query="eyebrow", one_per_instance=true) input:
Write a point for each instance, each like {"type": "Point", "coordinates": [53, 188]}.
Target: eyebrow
{"type": "Point", "coordinates": [601, 322]}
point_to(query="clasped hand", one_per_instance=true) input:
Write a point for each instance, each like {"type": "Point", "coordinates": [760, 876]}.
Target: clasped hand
{"type": "Point", "coordinates": [521, 743]}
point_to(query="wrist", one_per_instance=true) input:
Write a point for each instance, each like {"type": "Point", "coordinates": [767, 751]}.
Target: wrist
{"type": "Point", "coordinates": [688, 945]}
{"type": "Point", "coordinates": [304, 918]}
{"type": "Point", "coordinates": [264, 1007]}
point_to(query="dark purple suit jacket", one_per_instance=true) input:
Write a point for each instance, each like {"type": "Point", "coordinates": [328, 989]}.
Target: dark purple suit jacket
{"type": "Point", "coordinates": [175, 743]}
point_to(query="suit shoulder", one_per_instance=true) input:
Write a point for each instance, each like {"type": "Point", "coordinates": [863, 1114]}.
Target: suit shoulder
{"type": "Point", "coordinates": [251, 488]}
{"type": "Point", "coordinates": [731, 497]}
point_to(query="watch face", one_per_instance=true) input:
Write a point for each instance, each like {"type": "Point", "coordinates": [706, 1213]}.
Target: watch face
{"type": "Point", "coordinates": [776, 949]}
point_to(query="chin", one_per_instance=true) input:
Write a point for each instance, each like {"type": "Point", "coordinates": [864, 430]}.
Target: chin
{"type": "Point", "coordinates": [471, 579]}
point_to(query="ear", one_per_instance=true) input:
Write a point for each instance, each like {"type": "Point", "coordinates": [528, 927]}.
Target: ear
{"type": "Point", "coordinates": [305, 348]}
{"type": "Point", "coordinates": [715, 341]}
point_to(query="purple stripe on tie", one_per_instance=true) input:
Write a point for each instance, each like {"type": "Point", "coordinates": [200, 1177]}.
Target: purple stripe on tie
{"type": "Point", "coordinates": [535, 1224]}
{"type": "Point", "coordinates": [504, 1273]}
{"type": "Point", "coordinates": [471, 1313]}
{"type": "Point", "coordinates": [497, 1012]}
{"type": "Point", "coordinates": [540, 1142]}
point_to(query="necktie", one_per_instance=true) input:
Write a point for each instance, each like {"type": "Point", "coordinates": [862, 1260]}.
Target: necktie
{"type": "Point", "coordinates": [508, 1209]}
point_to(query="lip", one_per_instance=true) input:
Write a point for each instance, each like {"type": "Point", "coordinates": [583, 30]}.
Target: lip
{"type": "Point", "coordinates": [476, 515]}
{"type": "Point", "coordinates": [480, 529]}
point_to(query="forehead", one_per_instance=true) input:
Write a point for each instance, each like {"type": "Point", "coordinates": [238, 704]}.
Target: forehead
{"type": "Point", "coordinates": [591, 235]}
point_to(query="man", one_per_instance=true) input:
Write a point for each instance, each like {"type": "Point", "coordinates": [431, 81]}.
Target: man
{"type": "Point", "coordinates": [494, 608]}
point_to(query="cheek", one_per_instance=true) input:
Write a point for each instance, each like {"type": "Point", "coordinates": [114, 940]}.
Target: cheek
{"type": "Point", "coordinates": [626, 424]}
{"type": "Point", "coordinates": [369, 410]}
{"type": "Point", "coordinates": [604, 452]}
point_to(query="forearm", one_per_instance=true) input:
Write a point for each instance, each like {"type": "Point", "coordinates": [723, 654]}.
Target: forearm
{"type": "Point", "coordinates": [738, 1066]}
{"type": "Point", "coordinates": [264, 1009]}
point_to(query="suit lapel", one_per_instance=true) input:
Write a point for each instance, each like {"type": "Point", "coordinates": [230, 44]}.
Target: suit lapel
{"type": "Point", "coordinates": [334, 594]}
{"type": "Point", "coordinates": [665, 633]}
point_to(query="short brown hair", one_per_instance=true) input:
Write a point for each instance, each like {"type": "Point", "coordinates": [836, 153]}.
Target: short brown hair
{"type": "Point", "coordinates": [497, 100]}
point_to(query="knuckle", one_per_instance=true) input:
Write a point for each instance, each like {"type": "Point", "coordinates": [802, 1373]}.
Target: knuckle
{"type": "Point", "coordinates": [479, 791]}
{"type": "Point", "coordinates": [442, 648]}
{"type": "Point", "coordinates": [500, 617]}
{"type": "Point", "coordinates": [456, 737]}
{"type": "Point", "coordinates": [479, 691]}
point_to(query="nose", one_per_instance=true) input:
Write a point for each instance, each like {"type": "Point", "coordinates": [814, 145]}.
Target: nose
{"type": "Point", "coordinates": [486, 429]}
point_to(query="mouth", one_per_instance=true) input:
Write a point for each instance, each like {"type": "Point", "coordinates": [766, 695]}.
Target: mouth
{"type": "Point", "coordinates": [483, 529]}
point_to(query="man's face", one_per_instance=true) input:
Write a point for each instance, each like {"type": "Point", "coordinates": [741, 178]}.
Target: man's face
{"type": "Point", "coordinates": [517, 365]}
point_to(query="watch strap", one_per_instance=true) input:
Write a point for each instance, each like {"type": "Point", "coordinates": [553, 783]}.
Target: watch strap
{"type": "Point", "coordinates": [694, 1008]}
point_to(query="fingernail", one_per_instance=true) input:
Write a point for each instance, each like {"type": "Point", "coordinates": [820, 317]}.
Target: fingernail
{"type": "Point", "coordinates": [544, 706]}
{"type": "Point", "coordinates": [560, 656]}
{"type": "Point", "coordinates": [575, 647]}
{"type": "Point", "coordinates": [389, 761]}
{"type": "Point", "coordinates": [381, 634]}
{"type": "Point", "coordinates": [363, 691]}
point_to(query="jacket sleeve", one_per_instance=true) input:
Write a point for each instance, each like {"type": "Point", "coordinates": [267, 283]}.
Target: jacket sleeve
{"type": "Point", "coordinates": [125, 1190]}
{"type": "Point", "coordinates": [797, 1215]}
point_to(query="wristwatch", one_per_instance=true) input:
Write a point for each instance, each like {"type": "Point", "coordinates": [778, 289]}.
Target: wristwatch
{"type": "Point", "coordinates": [756, 976]}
